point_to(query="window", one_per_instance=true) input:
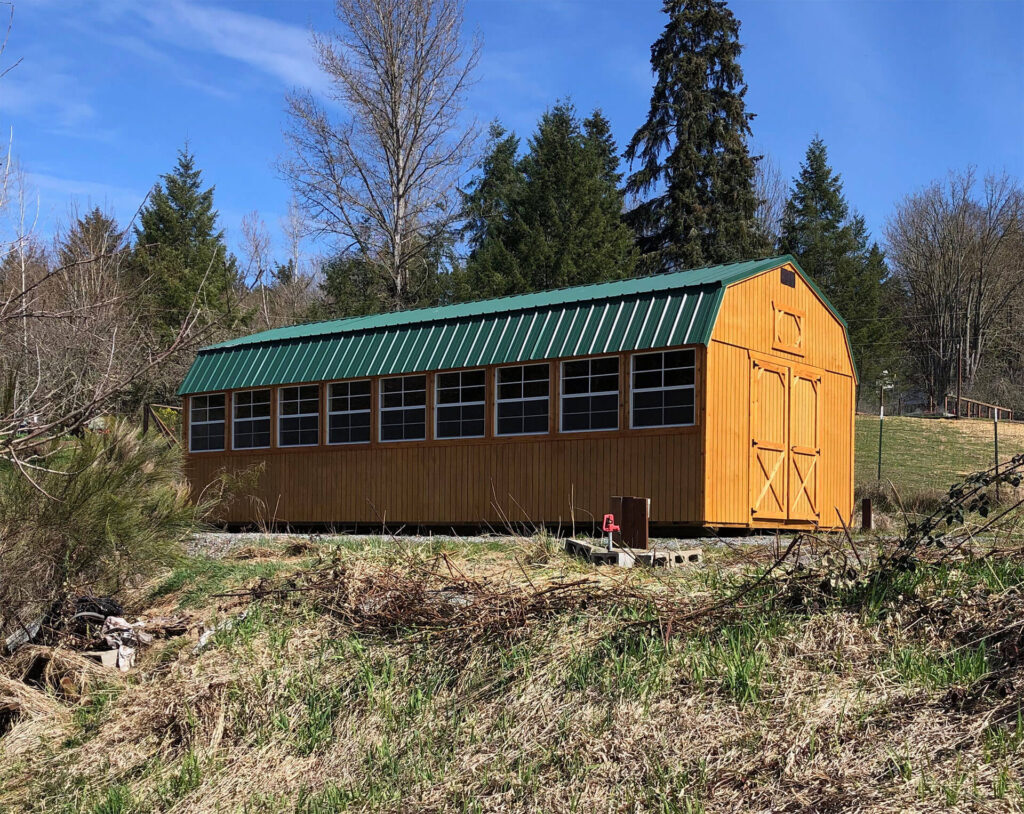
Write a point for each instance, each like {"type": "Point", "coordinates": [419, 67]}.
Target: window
{"type": "Point", "coordinates": [298, 420]}
{"type": "Point", "coordinates": [460, 404]}
{"type": "Point", "coordinates": [403, 408]}
{"type": "Point", "coordinates": [250, 421]}
{"type": "Point", "coordinates": [206, 423]}
{"type": "Point", "coordinates": [663, 388]}
{"type": "Point", "coordinates": [348, 413]}
{"type": "Point", "coordinates": [521, 405]}
{"type": "Point", "coordinates": [590, 394]}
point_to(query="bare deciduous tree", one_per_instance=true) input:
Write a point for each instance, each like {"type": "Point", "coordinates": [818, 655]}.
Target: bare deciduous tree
{"type": "Point", "coordinates": [771, 191]}
{"type": "Point", "coordinates": [73, 337]}
{"type": "Point", "coordinates": [382, 181]}
{"type": "Point", "coordinates": [958, 251]}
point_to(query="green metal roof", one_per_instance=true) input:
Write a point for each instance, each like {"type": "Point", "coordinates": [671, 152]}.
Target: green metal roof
{"type": "Point", "coordinates": [677, 308]}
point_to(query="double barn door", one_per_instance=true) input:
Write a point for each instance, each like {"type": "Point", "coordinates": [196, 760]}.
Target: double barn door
{"type": "Point", "coordinates": [785, 441]}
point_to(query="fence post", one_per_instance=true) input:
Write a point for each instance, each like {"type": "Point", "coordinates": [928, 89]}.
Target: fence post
{"type": "Point", "coordinates": [995, 433]}
{"type": "Point", "coordinates": [145, 418]}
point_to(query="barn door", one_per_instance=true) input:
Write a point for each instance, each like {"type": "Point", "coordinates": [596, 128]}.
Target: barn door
{"type": "Point", "coordinates": [769, 441]}
{"type": "Point", "coordinates": [804, 445]}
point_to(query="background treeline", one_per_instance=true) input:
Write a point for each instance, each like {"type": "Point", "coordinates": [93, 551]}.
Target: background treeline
{"type": "Point", "coordinates": [399, 204]}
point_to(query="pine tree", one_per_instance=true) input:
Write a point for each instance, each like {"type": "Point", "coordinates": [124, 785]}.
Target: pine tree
{"type": "Point", "coordinates": [833, 247]}
{"type": "Point", "coordinates": [179, 251]}
{"type": "Point", "coordinates": [554, 218]}
{"type": "Point", "coordinates": [692, 150]}
{"type": "Point", "coordinates": [91, 238]}
{"type": "Point", "coordinates": [491, 211]}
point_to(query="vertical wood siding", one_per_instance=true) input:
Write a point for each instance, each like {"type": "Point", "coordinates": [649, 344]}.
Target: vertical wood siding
{"type": "Point", "coordinates": [746, 331]}
{"type": "Point", "coordinates": [496, 480]}
{"type": "Point", "coordinates": [518, 480]}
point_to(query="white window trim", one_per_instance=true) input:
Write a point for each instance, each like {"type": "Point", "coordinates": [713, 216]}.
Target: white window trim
{"type": "Point", "coordinates": [498, 400]}
{"type": "Point", "coordinates": [632, 389]}
{"type": "Point", "coordinates": [235, 421]}
{"type": "Point", "coordinates": [562, 396]}
{"type": "Point", "coordinates": [381, 409]}
{"type": "Point", "coordinates": [438, 405]}
{"type": "Point", "coordinates": [191, 423]}
{"type": "Point", "coordinates": [281, 417]}
{"type": "Point", "coordinates": [330, 412]}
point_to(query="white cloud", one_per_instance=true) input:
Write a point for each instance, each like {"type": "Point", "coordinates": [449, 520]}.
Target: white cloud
{"type": "Point", "coordinates": [57, 195]}
{"type": "Point", "coordinates": [278, 49]}
{"type": "Point", "coordinates": [46, 90]}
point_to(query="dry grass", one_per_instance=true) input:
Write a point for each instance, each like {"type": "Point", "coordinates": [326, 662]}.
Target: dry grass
{"type": "Point", "coordinates": [462, 678]}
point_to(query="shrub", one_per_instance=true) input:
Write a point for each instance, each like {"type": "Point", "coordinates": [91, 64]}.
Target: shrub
{"type": "Point", "coordinates": [113, 508]}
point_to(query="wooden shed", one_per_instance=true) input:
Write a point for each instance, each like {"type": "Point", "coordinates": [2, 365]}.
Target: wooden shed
{"type": "Point", "coordinates": [724, 394]}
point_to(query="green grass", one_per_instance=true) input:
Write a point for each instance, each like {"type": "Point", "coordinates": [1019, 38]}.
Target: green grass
{"type": "Point", "coordinates": [922, 454]}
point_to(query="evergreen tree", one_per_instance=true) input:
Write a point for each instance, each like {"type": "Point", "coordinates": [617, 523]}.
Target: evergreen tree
{"type": "Point", "coordinates": [834, 248]}
{"type": "Point", "coordinates": [91, 238]}
{"type": "Point", "coordinates": [354, 286]}
{"type": "Point", "coordinates": [552, 218]}
{"type": "Point", "coordinates": [491, 211]}
{"type": "Point", "coordinates": [692, 150]}
{"type": "Point", "coordinates": [180, 252]}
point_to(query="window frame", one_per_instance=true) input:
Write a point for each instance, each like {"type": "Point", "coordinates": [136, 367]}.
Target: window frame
{"type": "Point", "coordinates": [281, 415]}
{"type": "Point", "coordinates": [618, 393]}
{"type": "Point", "coordinates": [381, 409]}
{"type": "Point", "coordinates": [269, 417]}
{"type": "Point", "coordinates": [328, 412]}
{"type": "Point", "coordinates": [191, 424]}
{"type": "Point", "coordinates": [633, 390]}
{"type": "Point", "coordinates": [498, 400]}
{"type": "Point", "coordinates": [438, 406]}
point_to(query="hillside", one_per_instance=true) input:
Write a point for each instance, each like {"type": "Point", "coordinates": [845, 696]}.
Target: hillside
{"type": "Point", "coordinates": [392, 675]}
{"type": "Point", "coordinates": [920, 454]}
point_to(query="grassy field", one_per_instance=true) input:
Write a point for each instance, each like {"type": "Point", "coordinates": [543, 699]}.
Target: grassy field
{"type": "Point", "coordinates": [920, 454]}
{"type": "Point", "coordinates": [345, 696]}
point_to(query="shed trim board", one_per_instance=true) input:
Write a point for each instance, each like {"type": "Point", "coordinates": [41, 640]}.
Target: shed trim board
{"type": "Point", "coordinates": [697, 474]}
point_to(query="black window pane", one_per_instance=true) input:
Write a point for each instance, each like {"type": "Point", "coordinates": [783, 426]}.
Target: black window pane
{"type": "Point", "coordinates": [650, 378]}
{"type": "Point", "coordinates": [573, 386]}
{"type": "Point", "coordinates": [647, 399]}
{"type": "Point", "coordinates": [576, 405]}
{"type": "Point", "coordinates": [679, 415]}
{"type": "Point", "coordinates": [535, 423]}
{"type": "Point", "coordinates": [415, 398]}
{"type": "Point", "coordinates": [535, 389]}
{"type": "Point", "coordinates": [679, 358]}
{"type": "Point", "coordinates": [605, 403]}
{"type": "Point", "coordinates": [607, 365]}
{"type": "Point", "coordinates": [647, 418]}
{"type": "Point", "coordinates": [679, 378]}
{"type": "Point", "coordinates": [650, 361]}
{"type": "Point", "coordinates": [535, 408]}
{"type": "Point", "coordinates": [605, 420]}
{"type": "Point", "coordinates": [510, 391]}
{"type": "Point", "coordinates": [575, 421]}
{"type": "Point", "coordinates": [445, 414]}
{"type": "Point", "coordinates": [509, 426]}
{"type": "Point", "coordinates": [536, 373]}
{"type": "Point", "coordinates": [391, 400]}
{"type": "Point", "coordinates": [570, 369]}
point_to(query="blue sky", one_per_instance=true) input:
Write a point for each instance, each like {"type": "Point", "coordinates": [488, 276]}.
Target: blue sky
{"type": "Point", "coordinates": [108, 90]}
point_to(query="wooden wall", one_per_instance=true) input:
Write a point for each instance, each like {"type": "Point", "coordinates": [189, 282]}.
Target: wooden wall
{"type": "Point", "coordinates": [746, 330]}
{"type": "Point", "coordinates": [698, 475]}
{"type": "Point", "coordinates": [544, 478]}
